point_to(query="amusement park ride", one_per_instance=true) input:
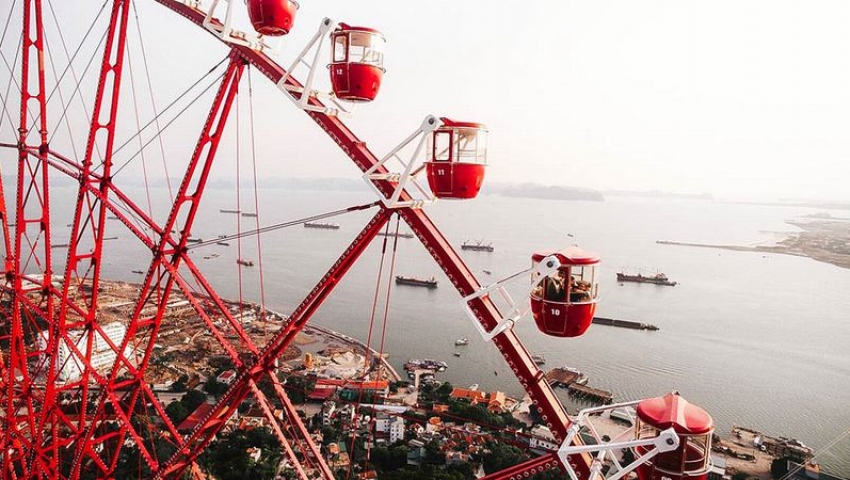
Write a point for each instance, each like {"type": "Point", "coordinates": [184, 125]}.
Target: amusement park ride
{"type": "Point", "coordinates": [54, 428]}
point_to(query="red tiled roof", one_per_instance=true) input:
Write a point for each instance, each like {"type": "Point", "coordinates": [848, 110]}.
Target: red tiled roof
{"type": "Point", "coordinates": [322, 393]}
{"type": "Point", "coordinates": [195, 419]}
{"type": "Point", "coordinates": [468, 394]}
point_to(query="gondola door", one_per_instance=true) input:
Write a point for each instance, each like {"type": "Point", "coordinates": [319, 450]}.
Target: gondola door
{"type": "Point", "coordinates": [340, 73]}
{"type": "Point", "coordinates": [442, 174]}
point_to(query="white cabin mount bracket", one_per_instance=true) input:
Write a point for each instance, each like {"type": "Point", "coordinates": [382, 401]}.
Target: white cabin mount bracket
{"type": "Point", "coordinates": [605, 451]}
{"type": "Point", "coordinates": [545, 267]}
{"type": "Point", "coordinates": [225, 31]}
{"type": "Point", "coordinates": [406, 177]}
{"type": "Point", "coordinates": [333, 105]}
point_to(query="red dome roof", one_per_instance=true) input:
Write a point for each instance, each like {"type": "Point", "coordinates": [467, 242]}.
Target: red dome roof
{"type": "Point", "coordinates": [671, 410]}
{"type": "Point", "coordinates": [568, 256]}
{"type": "Point", "coordinates": [447, 122]}
{"type": "Point", "coordinates": [349, 28]}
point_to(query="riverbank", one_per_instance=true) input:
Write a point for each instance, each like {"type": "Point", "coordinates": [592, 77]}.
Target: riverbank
{"type": "Point", "coordinates": [345, 339]}
{"type": "Point", "coordinates": [823, 239]}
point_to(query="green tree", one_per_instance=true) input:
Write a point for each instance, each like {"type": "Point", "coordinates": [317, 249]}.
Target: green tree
{"type": "Point", "coordinates": [177, 412]}
{"type": "Point", "coordinates": [389, 459]}
{"type": "Point", "coordinates": [214, 387]}
{"type": "Point", "coordinates": [779, 467]}
{"type": "Point", "coordinates": [193, 399]}
{"type": "Point", "coordinates": [500, 456]}
{"type": "Point", "coordinates": [227, 458]}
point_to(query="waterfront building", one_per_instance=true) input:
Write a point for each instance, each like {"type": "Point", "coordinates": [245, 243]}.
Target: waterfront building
{"type": "Point", "coordinates": [542, 439]}
{"type": "Point", "coordinates": [68, 367]}
{"type": "Point", "coordinates": [392, 427]}
{"type": "Point", "coordinates": [226, 377]}
{"type": "Point", "coordinates": [496, 402]}
{"type": "Point", "coordinates": [474, 396]}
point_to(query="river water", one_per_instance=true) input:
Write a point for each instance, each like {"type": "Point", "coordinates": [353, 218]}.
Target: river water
{"type": "Point", "coordinates": [757, 340]}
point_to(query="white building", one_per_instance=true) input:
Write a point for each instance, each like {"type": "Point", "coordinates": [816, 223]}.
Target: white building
{"type": "Point", "coordinates": [542, 439]}
{"type": "Point", "coordinates": [67, 363]}
{"type": "Point", "coordinates": [392, 426]}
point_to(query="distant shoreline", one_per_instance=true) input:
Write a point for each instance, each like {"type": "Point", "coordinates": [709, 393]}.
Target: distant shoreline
{"type": "Point", "coordinates": [825, 241]}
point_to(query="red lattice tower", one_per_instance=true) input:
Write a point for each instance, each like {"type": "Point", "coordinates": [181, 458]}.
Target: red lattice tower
{"type": "Point", "coordinates": [45, 311]}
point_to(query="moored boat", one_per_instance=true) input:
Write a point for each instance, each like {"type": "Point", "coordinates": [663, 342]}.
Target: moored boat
{"type": "Point", "coordinates": [657, 279]}
{"type": "Point", "coordinates": [247, 263]}
{"type": "Point", "coordinates": [462, 341]}
{"type": "Point", "coordinates": [538, 359]}
{"type": "Point", "coordinates": [426, 364]}
{"type": "Point", "coordinates": [477, 246]}
{"type": "Point", "coordinates": [581, 379]}
{"type": "Point", "coordinates": [327, 226]}
{"type": "Point", "coordinates": [399, 235]}
{"type": "Point", "coordinates": [416, 282]}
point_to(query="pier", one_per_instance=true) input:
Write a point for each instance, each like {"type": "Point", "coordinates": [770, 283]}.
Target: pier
{"type": "Point", "coordinates": [613, 322]}
{"type": "Point", "coordinates": [589, 393]}
{"type": "Point", "coordinates": [561, 377]}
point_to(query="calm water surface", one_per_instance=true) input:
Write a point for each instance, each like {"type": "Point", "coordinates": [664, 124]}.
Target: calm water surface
{"type": "Point", "coordinates": [757, 340]}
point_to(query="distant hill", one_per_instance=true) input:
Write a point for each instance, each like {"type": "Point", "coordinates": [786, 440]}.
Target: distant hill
{"type": "Point", "coordinates": [534, 190]}
{"type": "Point", "coordinates": [658, 194]}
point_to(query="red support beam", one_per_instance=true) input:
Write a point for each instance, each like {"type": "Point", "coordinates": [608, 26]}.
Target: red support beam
{"type": "Point", "coordinates": [528, 468]}
{"type": "Point", "coordinates": [163, 271]}
{"type": "Point", "coordinates": [33, 230]}
{"type": "Point", "coordinates": [264, 364]}
{"type": "Point", "coordinates": [508, 344]}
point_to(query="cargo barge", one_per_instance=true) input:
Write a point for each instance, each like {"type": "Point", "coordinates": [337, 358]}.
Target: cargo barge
{"type": "Point", "coordinates": [326, 226]}
{"type": "Point", "coordinates": [477, 247]}
{"type": "Point", "coordinates": [416, 282]}
{"type": "Point", "coordinates": [657, 279]}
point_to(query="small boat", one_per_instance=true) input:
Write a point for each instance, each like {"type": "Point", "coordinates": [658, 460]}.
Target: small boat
{"type": "Point", "coordinates": [416, 282]}
{"type": "Point", "coordinates": [488, 272]}
{"type": "Point", "coordinates": [214, 255]}
{"type": "Point", "coordinates": [140, 272]}
{"type": "Point", "coordinates": [247, 214]}
{"type": "Point", "coordinates": [194, 240]}
{"type": "Point", "coordinates": [247, 263]}
{"type": "Point", "coordinates": [581, 378]}
{"type": "Point", "coordinates": [225, 244]}
{"type": "Point", "coordinates": [457, 354]}
{"type": "Point", "coordinates": [477, 246]}
{"type": "Point", "coordinates": [657, 279]}
{"type": "Point", "coordinates": [462, 341]}
{"type": "Point", "coordinates": [538, 359]}
{"type": "Point", "coordinates": [230, 210]}
{"type": "Point", "coordinates": [399, 235]}
{"type": "Point", "coordinates": [426, 364]}
{"type": "Point", "coordinates": [473, 387]}
{"type": "Point", "coordinates": [326, 226]}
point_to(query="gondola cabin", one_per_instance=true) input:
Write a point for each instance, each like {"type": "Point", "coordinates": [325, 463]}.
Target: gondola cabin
{"type": "Point", "coordinates": [563, 303]}
{"type": "Point", "coordinates": [692, 424]}
{"type": "Point", "coordinates": [272, 17]}
{"type": "Point", "coordinates": [456, 159]}
{"type": "Point", "coordinates": [357, 62]}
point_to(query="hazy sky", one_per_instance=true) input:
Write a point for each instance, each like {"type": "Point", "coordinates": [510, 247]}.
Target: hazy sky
{"type": "Point", "coordinates": [745, 100]}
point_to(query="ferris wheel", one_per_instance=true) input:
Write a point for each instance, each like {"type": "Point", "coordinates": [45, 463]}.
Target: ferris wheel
{"type": "Point", "coordinates": [75, 393]}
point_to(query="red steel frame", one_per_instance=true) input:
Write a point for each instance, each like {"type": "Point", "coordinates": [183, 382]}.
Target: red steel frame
{"type": "Point", "coordinates": [35, 429]}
